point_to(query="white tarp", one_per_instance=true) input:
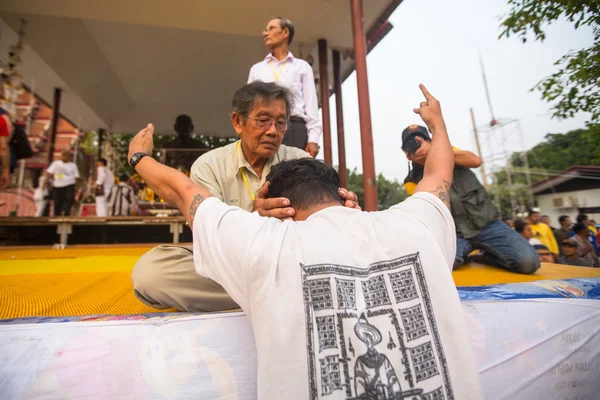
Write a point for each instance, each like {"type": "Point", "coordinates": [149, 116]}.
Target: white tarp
{"type": "Point", "coordinates": [525, 349]}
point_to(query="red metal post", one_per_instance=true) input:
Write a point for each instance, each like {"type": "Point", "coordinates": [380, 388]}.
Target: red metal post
{"type": "Point", "coordinates": [324, 83]}
{"type": "Point", "coordinates": [54, 126]}
{"type": "Point", "coordinates": [364, 106]}
{"type": "Point", "coordinates": [339, 114]}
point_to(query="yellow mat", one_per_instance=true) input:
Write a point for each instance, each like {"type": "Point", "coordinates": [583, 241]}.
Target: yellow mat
{"type": "Point", "coordinates": [75, 281]}
{"type": "Point", "coordinates": [86, 280]}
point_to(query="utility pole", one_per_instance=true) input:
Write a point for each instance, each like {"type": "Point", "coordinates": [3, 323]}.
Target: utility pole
{"type": "Point", "coordinates": [483, 174]}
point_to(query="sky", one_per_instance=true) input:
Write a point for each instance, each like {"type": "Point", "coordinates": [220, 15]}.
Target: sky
{"type": "Point", "coordinates": [437, 43]}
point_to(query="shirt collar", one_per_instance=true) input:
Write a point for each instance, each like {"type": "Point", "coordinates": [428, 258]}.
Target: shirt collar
{"type": "Point", "coordinates": [270, 57]}
{"type": "Point", "coordinates": [243, 163]}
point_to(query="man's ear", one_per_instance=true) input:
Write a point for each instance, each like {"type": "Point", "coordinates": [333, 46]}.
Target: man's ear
{"type": "Point", "coordinates": [287, 37]}
{"type": "Point", "coordinates": [236, 121]}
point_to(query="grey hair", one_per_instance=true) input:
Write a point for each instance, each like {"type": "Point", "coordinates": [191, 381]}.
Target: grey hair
{"type": "Point", "coordinates": [248, 95]}
{"type": "Point", "coordinates": [286, 23]}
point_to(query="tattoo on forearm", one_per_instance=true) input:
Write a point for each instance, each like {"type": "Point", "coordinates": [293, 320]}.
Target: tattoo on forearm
{"type": "Point", "coordinates": [196, 201]}
{"type": "Point", "coordinates": [443, 192]}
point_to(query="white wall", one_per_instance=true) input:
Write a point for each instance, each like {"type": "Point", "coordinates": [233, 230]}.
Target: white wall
{"type": "Point", "coordinates": [585, 198]}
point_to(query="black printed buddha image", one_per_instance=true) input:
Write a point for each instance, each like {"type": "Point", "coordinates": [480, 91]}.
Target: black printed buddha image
{"type": "Point", "coordinates": [374, 375]}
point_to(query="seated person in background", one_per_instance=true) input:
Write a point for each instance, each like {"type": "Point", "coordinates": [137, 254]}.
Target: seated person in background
{"type": "Point", "coordinates": [542, 232]}
{"type": "Point", "coordinates": [178, 157]}
{"type": "Point", "coordinates": [585, 249]}
{"type": "Point", "coordinates": [165, 276]}
{"type": "Point", "coordinates": [478, 225]}
{"type": "Point", "coordinates": [283, 275]}
{"type": "Point", "coordinates": [570, 257]}
{"type": "Point", "coordinates": [121, 199]}
{"type": "Point", "coordinates": [544, 253]}
{"type": "Point", "coordinates": [523, 228]}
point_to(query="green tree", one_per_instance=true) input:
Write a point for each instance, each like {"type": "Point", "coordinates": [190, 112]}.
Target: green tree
{"type": "Point", "coordinates": [121, 143]}
{"type": "Point", "coordinates": [388, 192]}
{"type": "Point", "coordinates": [556, 153]}
{"type": "Point", "coordinates": [560, 151]}
{"type": "Point", "coordinates": [575, 86]}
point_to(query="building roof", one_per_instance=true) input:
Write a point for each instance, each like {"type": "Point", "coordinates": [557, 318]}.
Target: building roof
{"type": "Point", "coordinates": [578, 177]}
{"type": "Point", "coordinates": [124, 63]}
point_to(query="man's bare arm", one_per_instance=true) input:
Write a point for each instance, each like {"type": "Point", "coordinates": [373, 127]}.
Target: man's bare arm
{"type": "Point", "coordinates": [439, 166]}
{"type": "Point", "coordinates": [466, 159]}
{"type": "Point", "coordinates": [171, 185]}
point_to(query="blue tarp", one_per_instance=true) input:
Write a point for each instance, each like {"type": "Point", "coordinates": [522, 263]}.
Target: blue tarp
{"type": "Point", "coordinates": [584, 288]}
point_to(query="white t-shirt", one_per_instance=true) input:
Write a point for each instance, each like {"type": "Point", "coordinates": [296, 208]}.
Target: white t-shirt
{"type": "Point", "coordinates": [346, 302]}
{"type": "Point", "coordinates": [64, 173]}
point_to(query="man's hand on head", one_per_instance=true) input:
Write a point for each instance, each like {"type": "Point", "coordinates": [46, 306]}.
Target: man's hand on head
{"type": "Point", "coordinates": [278, 207]}
{"type": "Point", "coordinates": [312, 149]}
{"type": "Point", "coordinates": [349, 198]}
{"type": "Point", "coordinates": [143, 142]}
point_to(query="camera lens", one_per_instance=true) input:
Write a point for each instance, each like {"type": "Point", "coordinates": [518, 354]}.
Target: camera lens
{"type": "Point", "coordinates": [411, 145]}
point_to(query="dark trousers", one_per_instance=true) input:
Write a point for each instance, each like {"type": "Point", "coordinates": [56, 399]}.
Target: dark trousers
{"type": "Point", "coordinates": [297, 134]}
{"type": "Point", "coordinates": [502, 247]}
{"type": "Point", "coordinates": [63, 200]}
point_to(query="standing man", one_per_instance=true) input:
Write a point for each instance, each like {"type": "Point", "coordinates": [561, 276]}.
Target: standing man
{"type": "Point", "coordinates": [564, 232]}
{"type": "Point", "coordinates": [64, 174]}
{"type": "Point", "coordinates": [104, 183]}
{"type": "Point", "coordinates": [478, 224]}
{"type": "Point", "coordinates": [122, 198]}
{"type": "Point", "coordinates": [282, 67]}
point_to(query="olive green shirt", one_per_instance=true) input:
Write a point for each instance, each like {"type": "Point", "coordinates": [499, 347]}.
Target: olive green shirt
{"type": "Point", "coordinates": [220, 171]}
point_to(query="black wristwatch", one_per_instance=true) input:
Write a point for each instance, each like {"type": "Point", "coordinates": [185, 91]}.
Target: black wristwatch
{"type": "Point", "coordinates": [136, 158]}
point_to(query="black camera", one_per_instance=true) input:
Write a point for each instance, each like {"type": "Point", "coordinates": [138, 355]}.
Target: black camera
{"type": "Point", "coordinates": [411, 145]}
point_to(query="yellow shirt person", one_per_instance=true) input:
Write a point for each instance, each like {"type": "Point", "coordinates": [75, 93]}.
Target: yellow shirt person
{"type": "Point", "coordinates": [542, 232]}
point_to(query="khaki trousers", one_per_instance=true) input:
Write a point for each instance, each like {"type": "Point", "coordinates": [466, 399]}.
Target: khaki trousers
{"type": "Point", "coordinates": [165, 277]}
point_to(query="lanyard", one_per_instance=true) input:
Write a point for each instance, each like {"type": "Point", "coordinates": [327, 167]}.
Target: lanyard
{"type": "Point", "coordinates": [245, 177]}
{"type": "Point", "coordinates": [275, 74]}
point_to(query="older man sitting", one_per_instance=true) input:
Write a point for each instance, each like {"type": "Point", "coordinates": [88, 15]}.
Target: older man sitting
{"type": "Point", "coordinates": [235, 174]}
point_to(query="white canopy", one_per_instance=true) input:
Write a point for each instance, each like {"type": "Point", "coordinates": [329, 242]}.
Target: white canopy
{"type": "Point", "coordinates": [123, 63]}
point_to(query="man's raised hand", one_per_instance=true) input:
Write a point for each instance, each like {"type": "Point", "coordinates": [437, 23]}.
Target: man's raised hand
{"type": "Point", "coordinates": [143, 142]}
{"type": "Point", "coordinates": [430, 111]}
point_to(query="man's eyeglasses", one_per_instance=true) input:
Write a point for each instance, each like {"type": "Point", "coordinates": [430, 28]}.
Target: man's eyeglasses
{"type": "Point", "coordinates": [265, 123]}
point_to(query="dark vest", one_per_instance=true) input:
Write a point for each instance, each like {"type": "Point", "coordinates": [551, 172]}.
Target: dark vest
{"type": "Point", "coordinates": [470, 204]}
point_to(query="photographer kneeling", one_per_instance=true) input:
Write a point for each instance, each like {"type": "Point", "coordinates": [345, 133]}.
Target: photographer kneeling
{"type": "Point", "coordinates": [477, 220]}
